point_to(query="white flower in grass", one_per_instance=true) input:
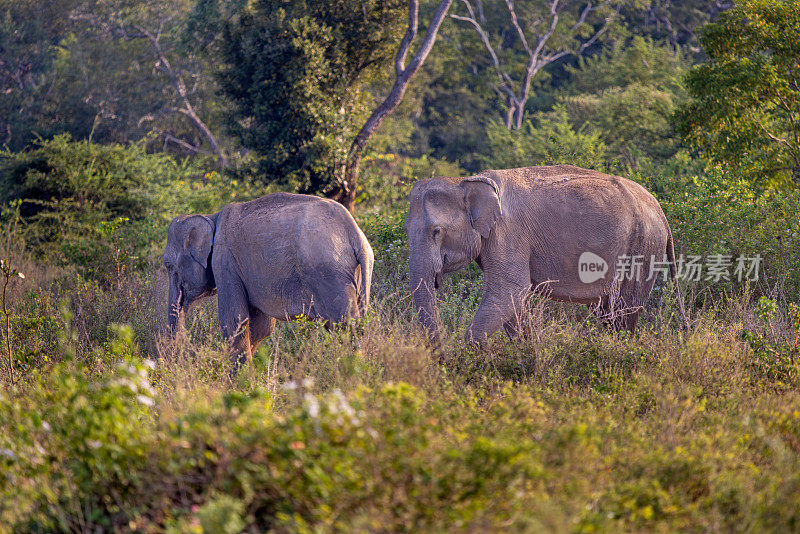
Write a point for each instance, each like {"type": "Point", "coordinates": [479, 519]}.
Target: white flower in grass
{"type": "Point", "coordinates": [313, 405]}
{"type": "Point", "coordinates": [144, 399]}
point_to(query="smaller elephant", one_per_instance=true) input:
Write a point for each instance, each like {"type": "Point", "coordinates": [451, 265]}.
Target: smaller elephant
{"type": "Point", "coordinates": [280, 256]}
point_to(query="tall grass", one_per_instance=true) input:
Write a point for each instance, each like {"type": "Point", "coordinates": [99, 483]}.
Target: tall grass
{"type": "Point", "coordinates": [365, 427]}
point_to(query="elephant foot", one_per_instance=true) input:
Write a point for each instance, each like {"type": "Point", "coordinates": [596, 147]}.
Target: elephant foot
{"type": "Point", "coordinates": [477, 342]}
{"type": "Point", "coordinates": [237, 361]}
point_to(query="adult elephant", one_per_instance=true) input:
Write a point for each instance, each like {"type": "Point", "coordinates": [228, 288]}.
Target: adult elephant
{"type": "Point", "coordinates": [276, 257]}
{"type": "Point", "coordinates": [562, 229]}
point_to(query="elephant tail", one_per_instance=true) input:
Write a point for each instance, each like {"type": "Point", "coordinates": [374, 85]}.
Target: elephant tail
{"type": "Point", "coordinates": [366, 259]}
{"type": "Point", "coordinates": [673, 271]}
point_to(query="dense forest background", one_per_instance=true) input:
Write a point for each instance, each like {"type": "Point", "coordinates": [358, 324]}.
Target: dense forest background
{"type": "Point", "coordinates": [143, 110]}
{"type": "Point", "coordinates": [206, 78]}
{"type": "Point", "coordinates": [118, 115]}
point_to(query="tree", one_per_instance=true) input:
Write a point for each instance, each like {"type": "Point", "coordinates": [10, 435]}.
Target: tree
{"type": "Point", "coordinates": [403, 75]}
{"type": "Point", "coordinates": [547, 138]}
{"type": "Point", "coordinates": [295, 74]}
{"type": "Point", "coordinates": [745, 108]}
{"type": "Point", "coordinates": [674, 22]}
{"type": "Point", "coordinates": [532, 35]}
{"type": "Point", "coordinates": [30, 34]}
{"type": "Point", "coordinates": [182, 77]}
{"type": "Point", "coordinates": [628, 94]}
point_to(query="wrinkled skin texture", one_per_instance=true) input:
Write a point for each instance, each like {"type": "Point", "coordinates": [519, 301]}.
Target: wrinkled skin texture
{"type": "Point", "coordinates": [277, 257]}
{"type": "Point", "coordinates": [527, 228]}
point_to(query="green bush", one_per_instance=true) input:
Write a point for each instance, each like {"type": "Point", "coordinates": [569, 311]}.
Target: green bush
{"type": "Point", "coordinates": [548, 139]}
{"type": "Point", "coordinates": [103, 208]}
{"type": "Point", "coordinates": [717, 214]}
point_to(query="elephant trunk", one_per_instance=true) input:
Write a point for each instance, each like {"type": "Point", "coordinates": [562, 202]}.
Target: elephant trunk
{"type": "Point", "coordinates": [423, 284]}
{"type": "Point", "coordinates": [176, 303]}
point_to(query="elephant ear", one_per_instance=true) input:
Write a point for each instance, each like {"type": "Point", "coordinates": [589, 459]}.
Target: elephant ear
{"type": "Point", "coordinates": [482, 198]}
{"type": "Point", "coordinates": [199, 238]}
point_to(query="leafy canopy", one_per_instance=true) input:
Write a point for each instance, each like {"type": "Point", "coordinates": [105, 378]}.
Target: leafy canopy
{"type": "Point", "coordinates": [746, 99]}
{"type": "Point", "coordinates": [295, 73]}
{"type": "Point", "coordinates": [628, 94]}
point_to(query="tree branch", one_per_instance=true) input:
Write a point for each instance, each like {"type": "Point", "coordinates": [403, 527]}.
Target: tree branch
{"type": "Point", "coordinates": [505, 80]}
{"type": "Point", "coordinates": [785, 105]}
{"type": "Point", "coordinates": [403, 74]}
{"type": "Point", "coordinates": [136, 31]}
{"type": "Point", "coordinates": [534, 63]}
{"type": "Point", "coordinates": [408, 38]}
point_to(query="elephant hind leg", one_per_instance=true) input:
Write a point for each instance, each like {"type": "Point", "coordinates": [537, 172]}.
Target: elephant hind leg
{"type": "Point", "coordinates": [621, 309]}
{"type": "Point", "coordinates": [604, 312]}
{"type": "Point", "coordinates": [335, 298]}
{"type": "Point", "coordinates": [261, 327]}
{"type": "Point", "coordinates": [634, 296]}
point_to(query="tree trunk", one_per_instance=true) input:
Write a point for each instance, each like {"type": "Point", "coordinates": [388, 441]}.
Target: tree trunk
{"type": "Point", "coordinates": [345, 193]}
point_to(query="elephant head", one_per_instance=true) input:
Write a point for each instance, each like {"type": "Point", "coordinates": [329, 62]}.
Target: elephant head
{"type": "Point", "coordinates": [188, 262]}
{"type": "Point", "coordinates": [449, 220]}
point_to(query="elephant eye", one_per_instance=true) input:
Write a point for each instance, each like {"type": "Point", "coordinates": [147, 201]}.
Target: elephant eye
{"type": "Point", "coordinates": [436, 232]}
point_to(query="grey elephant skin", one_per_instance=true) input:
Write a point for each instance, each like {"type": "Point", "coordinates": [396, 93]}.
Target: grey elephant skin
{"type": "Point", "coordinates": [529, 228]}
{"type": "Point", "coordinates": [277, 257]}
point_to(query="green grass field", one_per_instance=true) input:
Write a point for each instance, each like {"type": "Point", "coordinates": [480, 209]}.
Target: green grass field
{"type": "Point", "coordinates": [364, 428]}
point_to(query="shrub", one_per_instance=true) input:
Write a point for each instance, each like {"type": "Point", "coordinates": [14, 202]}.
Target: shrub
{"type": "Point", "coordinates": [717, 214]}
{"type": "Point", "coordinates": [103, 208]}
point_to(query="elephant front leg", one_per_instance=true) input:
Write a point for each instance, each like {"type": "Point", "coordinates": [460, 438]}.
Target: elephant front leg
{"type": "Point", "coordinates": [234, 317]}
{"type": "Point", "coordinates": [490, 317]}
{"type": "Point", "coordinates": [502, 305]}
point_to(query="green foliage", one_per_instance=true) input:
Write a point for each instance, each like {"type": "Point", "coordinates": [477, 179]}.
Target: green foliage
{"type": "Point", "coordinates": [222, 514]}
{"type": "Point", "coordinates": [100, 422]}
{"type": "Point", "coordinates": [716, 214]}
{"type": "Point", "coordinates": [30, 34]}
{"type": "Point", "coordinates": [387, 179]}
{"type": "Point", "coordinates": [295, 73]}
{"type": "Point", "coordinates": [774, 358]}
{"type": "Point", "coordinates": [628, 95]}
{"type": "Point", "coordinates": [548, 139]}
{"type": "Point", "coordinates": [636, 61]}
{"type": "Point", "coordinates": [102, 208]}
{"type": "Point", "coordinates": [597, 431]}
{"type": "Point", "coordinates": [746, 98]}
{"type": "Point", "coordinates": [677, 23]}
